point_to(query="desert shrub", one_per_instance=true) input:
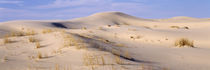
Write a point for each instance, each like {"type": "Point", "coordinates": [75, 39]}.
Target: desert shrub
{"type": "Point", "coordinates": [184, 42]}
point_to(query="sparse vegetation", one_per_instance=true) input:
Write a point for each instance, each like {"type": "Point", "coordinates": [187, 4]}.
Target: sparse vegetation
{"type": "Point", "coordinates": [6, 40]}
{"type": "Point", "coordinates": [118, 60]}
{"type": "Point", "coordinates": [92, 59]}
{"type": "Point", "coordinates": [135, 37]}
{"type": "Point", "coordinates": [103, 61]}
{"type": "Point", "coordinates": [127, 55]}
{"type": "Point", "coordinates": [177, 27]}
{"type": "Point", "coordinates": [109, 25]}
{"type": "Point", "coordinates": [39, 55]}
{"type": "Point", "coordinates": [4, 59]}
{"type": "Point", "coordinates": [21, 33]}
{"type": "Point", "coordinates": [32, 39]}
{"type": "Point", "coordinates": [30, 32]}
{"type": "Point", "coordinates": [57, 67]}
{"type": "Point", "coordinates": [37, 45]}
{"type": "Point", "coordinates": [147, 27]}
{"type": "Point", "coordinates": [184, 42]}
{"type": "Point", "coordinates": [69, 40]}
{"type": "Point", "coordinates": [47, 31]}
{"type": "Point", "coordinates": [186, 27]}
{"type": "Point", "coordinates": [84, 28]}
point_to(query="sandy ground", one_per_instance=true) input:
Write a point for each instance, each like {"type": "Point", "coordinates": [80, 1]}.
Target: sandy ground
{"type": "Point", "coordinates": [105, 41]}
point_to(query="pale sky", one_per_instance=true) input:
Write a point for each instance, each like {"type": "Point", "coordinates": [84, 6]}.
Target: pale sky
{"type": "Point", "coordinates": [69, 9]}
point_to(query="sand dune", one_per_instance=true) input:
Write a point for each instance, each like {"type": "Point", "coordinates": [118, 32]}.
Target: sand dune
{"type": "Point", "coordinates": [106, 41]}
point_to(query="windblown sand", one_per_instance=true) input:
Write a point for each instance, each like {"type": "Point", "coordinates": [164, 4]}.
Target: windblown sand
{"type": "Point", "coordinates": [105, 41]}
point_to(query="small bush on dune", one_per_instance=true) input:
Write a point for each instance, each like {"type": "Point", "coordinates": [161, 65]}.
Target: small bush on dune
{"type": "Point", "coordinates": [184, 42]}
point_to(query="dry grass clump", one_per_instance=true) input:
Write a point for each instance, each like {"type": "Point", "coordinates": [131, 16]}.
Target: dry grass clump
{"type": "Point", "coordinates": [147, 27]}
{"type": "Point", "coordinates": [47, 31]}
{"type": "Point", "coordinates": [6, 40]}
{"type": "Point", "coordinates": [4, 59]}
{"type": "Point", "coordinates": [30, 32]}
{"type": "Point", "coordinates": [135, 37]}
{"type": "Point", "coordinates": [70, 40]}
{"type": "Point", "coordinates": [37, 45]}
{"type": "Point", "coordinates": [21, 33]}
{"type": "Point", "coordinates": [92, 59]}
{"type": "Point", "coordinates": [127, 54]}
{"type": "Point", "coordinates": [100, 28]}
{"type": "Point", "coordinates": [57, 67]}
{"type": "Point", "coordinates": [32, 39]}
{"type": "Point", "coordinates": [186, 27]}
{"type": "Point", "coordinates": [13, 34]}
{"type": "Point", "coordinates": [39, 55]}
{"type": "Point", "coordinates": [184, 42]}
{"type": "Point", "coordinates": [109, 25]}
{"type": "Point", "coordinates": [118, 60]}
{"type": "Point", "coordinates": [177, 27]}
{"type": "Point", "coordinates": [84, 28]}
{"type": "Point", "coordinates": [120, 45]}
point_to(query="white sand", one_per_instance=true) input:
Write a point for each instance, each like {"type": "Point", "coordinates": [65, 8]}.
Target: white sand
{"type": "Point", "coordinates": [147, 44]}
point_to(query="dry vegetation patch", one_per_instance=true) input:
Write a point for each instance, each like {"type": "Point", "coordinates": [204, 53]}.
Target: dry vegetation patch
{"type": "Point", "coordinates": [6, 40]}
{"type": "Point", "coordinates": [184, 42]}
{"type": "Point", "coordinates": [177, 27]}
{"type": "Point", "coordinates": [47, 31]}
{"type": "Point", "coordinates": [32, 39]}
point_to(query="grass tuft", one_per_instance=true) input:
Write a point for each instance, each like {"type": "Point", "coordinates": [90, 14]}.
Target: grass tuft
{"type": "Point", "coordinates": [38, 45]}
{"type": "Point", "coordinates": [47, 31]}
{"type": "Point", "coordinates": [184, 42]}
{"type": "Point", "coordinates": [31, 39]}
{"type": "Point", "coordinates": [118, 60]}
{"type": "Point", "coordinates": [6, 40]}
{"type": "Point", "coordinates": [39, 55]}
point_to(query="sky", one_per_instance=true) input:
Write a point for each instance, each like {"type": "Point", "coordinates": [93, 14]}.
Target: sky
{"type": "Point", "coordinates": [69, 9]}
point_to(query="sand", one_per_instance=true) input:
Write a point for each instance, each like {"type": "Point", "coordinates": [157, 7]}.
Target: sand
{"type": "Point", "coordinates": [105, 41]}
